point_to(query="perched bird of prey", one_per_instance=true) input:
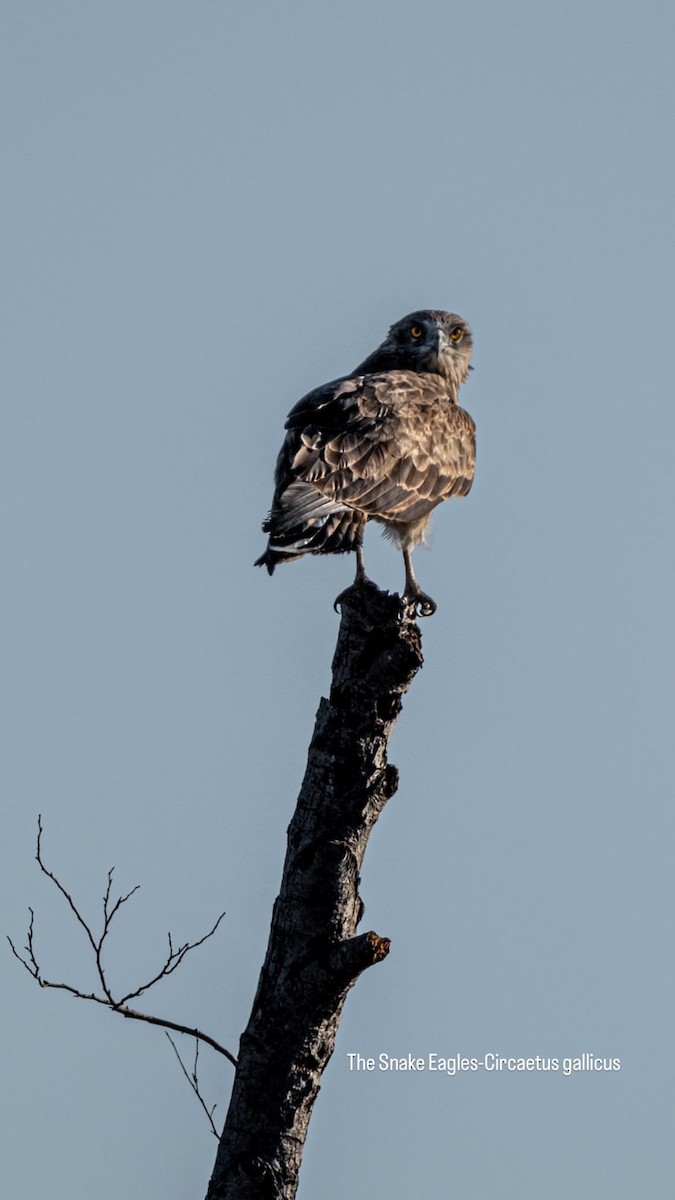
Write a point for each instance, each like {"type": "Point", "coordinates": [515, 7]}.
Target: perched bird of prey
{"type": "Point", "coordinates": [386, 443]}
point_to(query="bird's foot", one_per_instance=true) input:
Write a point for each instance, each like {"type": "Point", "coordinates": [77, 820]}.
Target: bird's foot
{"type": "Point", "coordinates": [424, 605]}
{"type": "Point", "coordinates": [354, 588]}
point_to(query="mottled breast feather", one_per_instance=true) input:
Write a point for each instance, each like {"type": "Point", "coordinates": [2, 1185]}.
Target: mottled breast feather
{"type": "Point", "coordinates": [392, 445]}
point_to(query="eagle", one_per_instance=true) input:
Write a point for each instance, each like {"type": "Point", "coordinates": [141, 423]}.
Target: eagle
{"type": "Point", "coordinates": [386, 443]}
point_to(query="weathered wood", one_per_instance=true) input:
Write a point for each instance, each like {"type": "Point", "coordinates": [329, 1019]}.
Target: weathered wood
{"type": "Point", "coordinates": [314, 954]}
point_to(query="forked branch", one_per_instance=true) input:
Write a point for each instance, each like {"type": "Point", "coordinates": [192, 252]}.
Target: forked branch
{"type": "Point", "coordinates": [193, 1079]}
{"type": "Point", "coordinates": [111, 907]}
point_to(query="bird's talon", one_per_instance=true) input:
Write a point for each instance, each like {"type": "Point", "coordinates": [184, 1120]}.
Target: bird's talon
{"type": "Point", "coordinates": [424, 606]}
{"type": "Point", "coordinates": [339, 600]}
{"type": "Point", "coordinates": [356, 586]}
{"type": "Point", "coordinates": [427, 607]}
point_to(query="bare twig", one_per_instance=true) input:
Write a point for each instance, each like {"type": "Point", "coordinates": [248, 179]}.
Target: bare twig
{"type": "Point", "coordinates": [111, 907]}
{"type": "Point", "coordinates": [174, 959]}
{"type": "Point", "coordinates": [133, 1015]}
{"type": "Point", "coordinates": [193, 1080]}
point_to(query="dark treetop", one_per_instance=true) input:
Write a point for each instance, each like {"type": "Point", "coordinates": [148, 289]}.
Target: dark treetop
{"type": "Point", "coordinates": [315, 954]}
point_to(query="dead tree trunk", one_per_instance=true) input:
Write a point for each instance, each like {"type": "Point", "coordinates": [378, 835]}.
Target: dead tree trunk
{"type": "Point", "coordinates": [314, 955]}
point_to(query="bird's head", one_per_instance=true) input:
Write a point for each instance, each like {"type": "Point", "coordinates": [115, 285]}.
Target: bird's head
{"type": "Point", "coordinates": [428, 340]}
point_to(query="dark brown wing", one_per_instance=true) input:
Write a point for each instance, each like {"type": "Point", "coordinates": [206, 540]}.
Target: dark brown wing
{"type": "Point", "coordinates": [389, 446]}
{"type": "Point", "coordinates": [392, 446]}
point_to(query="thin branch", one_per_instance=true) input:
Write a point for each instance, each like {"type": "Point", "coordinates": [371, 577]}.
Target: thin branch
{"type": "Point", "coordinates": [66, 895]}
{"type": "Point", "coordinates": [33, 967]}
{"type": "Point", "coordinates": [109, 914]}
{"type": "Point", "coordinates": [193, 1080]}
{"type": "Point", "coordinates": [134, 1015]}
{"type": "Point", "coordinates": [173, 959]}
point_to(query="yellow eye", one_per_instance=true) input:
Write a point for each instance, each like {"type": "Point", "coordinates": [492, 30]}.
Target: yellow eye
{"type": "Point", "coordinates": [457, 335]}
{"type": "Point", "coordinates": [416, 331]}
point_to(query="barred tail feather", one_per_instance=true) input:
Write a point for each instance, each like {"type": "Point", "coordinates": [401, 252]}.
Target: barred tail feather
{"type": "Point", "coordinates": [336, 533]}
{"type": "Point", "coordinates": [273, 556]}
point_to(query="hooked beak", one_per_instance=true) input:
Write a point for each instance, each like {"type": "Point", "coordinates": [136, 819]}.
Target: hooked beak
{"type": "Point", "coordinates": [442, 343]}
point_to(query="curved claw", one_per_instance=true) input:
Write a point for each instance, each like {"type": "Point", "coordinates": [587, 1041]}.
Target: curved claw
{"type": "Point", "coordinates": [356, 586]}
{"type": "Point", "coordinates": [424, 605]}
{"type": "Point", "coordinates": [413, 594]}
{"type": "Point", "coordinates": [339, 599]}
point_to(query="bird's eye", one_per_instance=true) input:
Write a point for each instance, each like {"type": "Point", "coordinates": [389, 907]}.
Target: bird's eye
{"type": "Point", "coordinates": [457, 335]}
{"type": "Point", "coordinates": [416, 331]}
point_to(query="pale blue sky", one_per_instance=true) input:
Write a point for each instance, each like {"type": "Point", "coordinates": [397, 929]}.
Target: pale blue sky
{"type": "Point", "coordinates": [208, 209]}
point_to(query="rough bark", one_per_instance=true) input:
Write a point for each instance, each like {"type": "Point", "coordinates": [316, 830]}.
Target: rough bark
{"type": "Point", "coordinates": [314, 954]}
